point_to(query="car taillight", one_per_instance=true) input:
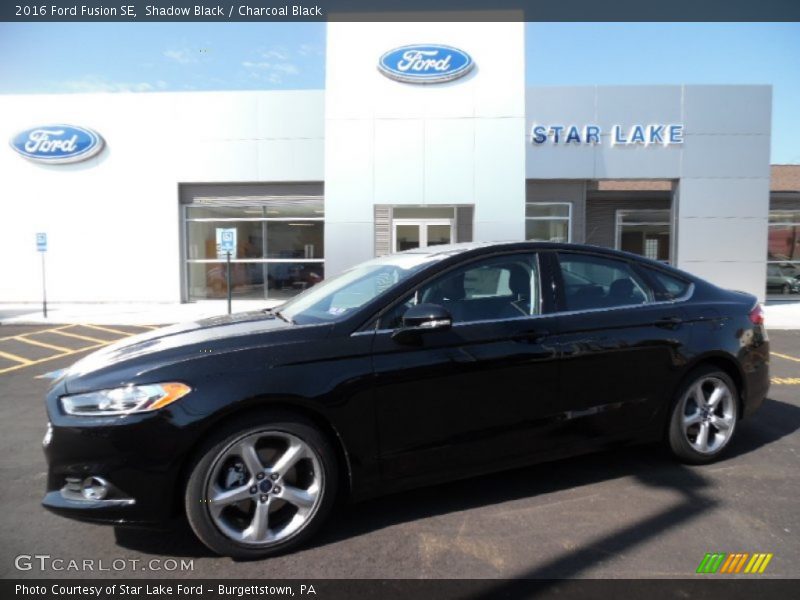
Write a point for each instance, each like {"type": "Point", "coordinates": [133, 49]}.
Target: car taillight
{"type": "Point", "coordinates": [757, 315]}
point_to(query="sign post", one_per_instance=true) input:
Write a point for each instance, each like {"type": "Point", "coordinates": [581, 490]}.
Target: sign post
{"type": "Point", "coordinates": [226, 244]}
{"type": "Point", "coordinates": [228, 283]}
{"type": "Point", "coordinates": [41, 247]}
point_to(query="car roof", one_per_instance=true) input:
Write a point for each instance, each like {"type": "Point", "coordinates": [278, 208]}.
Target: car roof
{"type": "Point", "coordinates": [459, 248]}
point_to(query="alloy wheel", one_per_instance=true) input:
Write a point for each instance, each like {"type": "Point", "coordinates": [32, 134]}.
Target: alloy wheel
{"type": "Point", "coordinates": [264, 488]}
{"type": "Point", "coordinates": [708, 415]}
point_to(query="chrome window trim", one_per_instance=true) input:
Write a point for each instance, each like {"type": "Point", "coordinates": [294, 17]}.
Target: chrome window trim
{"type": "Point", "coordinates": [689, 293]}
{"type": "Point", "coordinates": [686, 296]}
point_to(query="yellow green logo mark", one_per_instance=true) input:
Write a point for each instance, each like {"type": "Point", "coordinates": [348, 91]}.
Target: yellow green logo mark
{"type": "Point", "coordinates": [734, 563]}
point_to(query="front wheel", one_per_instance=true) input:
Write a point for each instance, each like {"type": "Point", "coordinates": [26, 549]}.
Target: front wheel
{"type": "Point", "coordinates": [259, 490]}
{"type": "Point", "coordinates": [704, 416]}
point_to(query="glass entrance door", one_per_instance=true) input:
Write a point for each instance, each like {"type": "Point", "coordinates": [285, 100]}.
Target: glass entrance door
{"type": "Point", "coordinates": [421, 233]}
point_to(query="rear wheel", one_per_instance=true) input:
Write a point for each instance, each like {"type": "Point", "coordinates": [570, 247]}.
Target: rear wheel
{"type": "Point", "coordinates": [704, 416]}
{"type": "Point", "coordinates": [259, 490]}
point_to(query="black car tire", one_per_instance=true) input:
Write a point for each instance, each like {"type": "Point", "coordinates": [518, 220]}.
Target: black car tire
{"type": "Point", "coordinates": [270, 421]}
{"type": "Point", "coordinates": [677, 440]}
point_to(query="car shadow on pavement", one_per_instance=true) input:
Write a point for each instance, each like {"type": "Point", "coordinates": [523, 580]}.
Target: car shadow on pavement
{"type": "Point", "coordinates": [175, 539]}
{"type": "Point", "coordinates": [773, 421]}
{"type": "Point", "coordinates": [650, 464]}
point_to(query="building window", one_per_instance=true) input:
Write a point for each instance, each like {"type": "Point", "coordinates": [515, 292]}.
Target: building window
{"type": "Point", "coordinates": [548, 221]}
{"type": "Point", "coordinates": [644, 232]}
{"type": "Point", "coordinates": [421, 227]}
{"type": "Point", "coordinates": [278, 250]}
{"type": "Point", "coordinates": [783, 252]}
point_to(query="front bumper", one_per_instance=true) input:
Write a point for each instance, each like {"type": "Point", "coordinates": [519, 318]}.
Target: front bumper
{"type": "Point", "coordinates": [140, 456]}
{"type": "Point", "coordinates": [99, 511]}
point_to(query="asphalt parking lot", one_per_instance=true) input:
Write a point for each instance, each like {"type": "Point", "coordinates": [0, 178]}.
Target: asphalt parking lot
{"type": "Point", "coordinates": [623, 514]}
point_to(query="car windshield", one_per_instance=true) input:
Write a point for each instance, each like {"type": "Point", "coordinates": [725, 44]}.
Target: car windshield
{"type": "Point", "coordinates": [335, 298]}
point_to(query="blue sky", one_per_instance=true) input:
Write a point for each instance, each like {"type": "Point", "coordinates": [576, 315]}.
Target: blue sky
{"type": "Point", "coordinates": [151, 57]}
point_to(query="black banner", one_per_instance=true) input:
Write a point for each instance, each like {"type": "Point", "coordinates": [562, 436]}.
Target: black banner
{"type": "Point", "coordinates": [702, 588]}
{"type": "Point", "coordinates": [405, 10]}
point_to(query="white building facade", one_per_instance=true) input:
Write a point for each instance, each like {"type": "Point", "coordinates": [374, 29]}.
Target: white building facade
{"type": "Point", "coordinates": [313, 182]}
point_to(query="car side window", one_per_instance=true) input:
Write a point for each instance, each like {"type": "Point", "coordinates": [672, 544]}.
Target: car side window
{"type": "Point", "coordinates": [501, 287]}
{"type": "Point", "coordinates": [592, 282]}
{"type": "Point", "coordinates": [672, 287]}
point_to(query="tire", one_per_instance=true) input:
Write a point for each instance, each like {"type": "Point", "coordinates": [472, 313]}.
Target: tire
{"type": "Point", "coordinates": [237, 510]}
{"type": "Point", "coordinates": [686, 439]}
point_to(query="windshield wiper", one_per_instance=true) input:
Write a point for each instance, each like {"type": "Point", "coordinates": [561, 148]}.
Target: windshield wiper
{"type": "Point", "coordinates": [283, 317]}
{"type": "Point", "coordinates": [273, 311]}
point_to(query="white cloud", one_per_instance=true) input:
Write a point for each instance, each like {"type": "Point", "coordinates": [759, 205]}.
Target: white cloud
{"type": "Point", "coordinates": [270, 71]}
{"type": "Point", "coordinates": [183, 56]}
{"type": "Point", "coordinates": [309, 50]}
{"type": "Point", "coordinates": [94, 84]}
{"type": "Point", "coordinates": [275, 54]}
{"type": "Point", "coordinates": [285, 67]}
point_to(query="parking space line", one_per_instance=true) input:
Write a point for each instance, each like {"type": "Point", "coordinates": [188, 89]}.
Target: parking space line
{"type": "Point", "coordinates": [22, 338]}
{"type": "Point", "coordinates": [15, 358]}
{"type": "Point", "coordinates": [49, 358]}
{"type": "Point", "coordinates": [786, 356]}
{"type": "Point", "coordinates": [48, 330]}
{"type": "Point", "coordinates": [81, 337]}
{"type": "Point", "coordinates": [785, 380]}
{"type": "Point", "coordinates": [62, 350]}
{"type": "Point", "coordinates": [109, 330]}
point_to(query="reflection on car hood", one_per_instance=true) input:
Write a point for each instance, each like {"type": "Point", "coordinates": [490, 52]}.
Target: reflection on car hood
{"type": "Point", "coordinates": [176, 336]}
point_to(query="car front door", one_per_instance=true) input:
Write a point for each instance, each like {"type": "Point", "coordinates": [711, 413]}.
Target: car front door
{"type": "Point", "coordinates": [620, 347]}
{"type": "Point", "coordinates": [467, 398]}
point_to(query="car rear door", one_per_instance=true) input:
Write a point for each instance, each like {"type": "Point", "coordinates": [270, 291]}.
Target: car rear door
{"type": "Point", "coordinates": [620, 346]}
{"type": "Point", "coordinates": [468, 398]}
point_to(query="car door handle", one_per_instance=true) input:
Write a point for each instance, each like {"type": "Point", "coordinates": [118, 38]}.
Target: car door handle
{"type": "Point", "coordinates": [534, 335]}
{"type": "Point", "coordinates": [671, 322]}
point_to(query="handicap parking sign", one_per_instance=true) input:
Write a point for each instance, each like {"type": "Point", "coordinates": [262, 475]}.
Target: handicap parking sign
{"type": "Point", "coordinates": [41, 242]}
{"type": "Point", "coordinates": [226, 242]}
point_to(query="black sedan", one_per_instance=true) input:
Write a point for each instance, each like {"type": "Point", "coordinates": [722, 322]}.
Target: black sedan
{"type": "Point", "coordinates": [407, 370]}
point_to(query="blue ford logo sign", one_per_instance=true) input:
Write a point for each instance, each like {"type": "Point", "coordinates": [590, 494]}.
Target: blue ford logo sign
{"type": "Point", "coordinates": [56, 144]}
{"type": "Point", "coordinates": [425, 63]}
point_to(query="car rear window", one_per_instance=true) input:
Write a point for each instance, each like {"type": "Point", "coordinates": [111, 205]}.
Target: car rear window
{"type": "Point", "coordinates": [672, 287]}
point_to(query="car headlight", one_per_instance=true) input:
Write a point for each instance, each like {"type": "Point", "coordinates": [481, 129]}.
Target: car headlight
{"type": "Point", "coordinates": [124, 400]}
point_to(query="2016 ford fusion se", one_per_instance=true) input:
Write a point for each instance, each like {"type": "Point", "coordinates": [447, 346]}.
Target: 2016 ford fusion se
{"type": "Point", "coordinates": [410, 369]}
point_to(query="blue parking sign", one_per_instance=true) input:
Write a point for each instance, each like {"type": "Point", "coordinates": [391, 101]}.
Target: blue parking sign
{"type": "Point", "coordinates": [226, 242]}
{"type": "Point", "coordinates": [41, 242]}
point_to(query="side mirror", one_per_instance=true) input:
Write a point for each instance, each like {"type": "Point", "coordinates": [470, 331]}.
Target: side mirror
{"type": "Point", "coordinates": [421, 319]}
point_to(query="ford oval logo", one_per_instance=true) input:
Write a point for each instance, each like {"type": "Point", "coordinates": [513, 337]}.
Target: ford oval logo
{"type": "Point", "coordinates": [57, 143]}
{"type": "Point", "coordinates": [425, 63]}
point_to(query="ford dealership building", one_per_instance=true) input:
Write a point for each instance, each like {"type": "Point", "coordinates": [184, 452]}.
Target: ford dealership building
{"type": "Point", "coordinates": [424, 134]}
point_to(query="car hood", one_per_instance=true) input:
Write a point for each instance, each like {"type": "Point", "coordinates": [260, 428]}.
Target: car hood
{"type": "Point", "coordinates": [129, 359]}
